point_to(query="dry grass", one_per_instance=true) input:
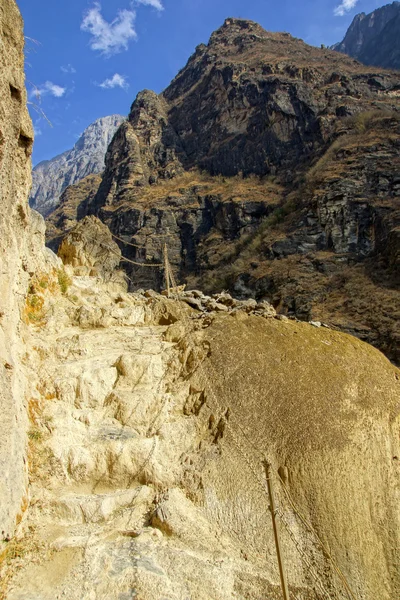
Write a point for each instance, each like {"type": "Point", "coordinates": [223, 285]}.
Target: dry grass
{"type": "Point", "coordinates": [236, 189]}
{"type": "Point", "coordinates": [41, 287]}
{"type": "Point", "coordinates": [363, 131]}
{"type": "Point", "coordinates": [64, 281]}
{"type": "Point", "coordinates": [15, 553]}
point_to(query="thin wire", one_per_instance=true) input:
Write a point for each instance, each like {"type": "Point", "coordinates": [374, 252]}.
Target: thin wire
{"type": "Point", "coordinates": [303, 555]}
{"type": "Point", "coordinates": [312, 530]}
{"type": "Point", "coordinates": [123, 258]}
{"type": "Point", "coordinates": [127, 243]}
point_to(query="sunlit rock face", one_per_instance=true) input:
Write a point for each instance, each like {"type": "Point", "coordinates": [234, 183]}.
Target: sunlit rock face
{"type": "Point", "coordinates": [51, 177]}
{"type": "Point", "coordinates": [22, 253]}
{"type": "Point", "coordinates": [374, 39]}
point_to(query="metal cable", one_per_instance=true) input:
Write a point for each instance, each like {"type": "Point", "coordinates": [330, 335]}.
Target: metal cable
{"type": "Point", "coordinates": [314, 574]}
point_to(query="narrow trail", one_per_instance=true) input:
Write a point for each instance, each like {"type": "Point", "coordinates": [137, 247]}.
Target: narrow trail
{"type": "Point", "coordinates": [109, 446]}
{"type": "Point", "coordinates": [149, 427]}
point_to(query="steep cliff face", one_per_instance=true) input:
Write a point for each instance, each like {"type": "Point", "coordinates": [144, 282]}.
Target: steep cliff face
{"type": "Point", "coordinates": [51, 177]}
{"type": "Point", "coordinates": [251, 101]}
{"type": "Point", "coordinates": [264, 151]}
{"type": "Point", "coordinates": [22, 253]}
{"type": "Point", "coordinates": [72, 207]}
{"type": "Point", "coordinates": [374, 39]}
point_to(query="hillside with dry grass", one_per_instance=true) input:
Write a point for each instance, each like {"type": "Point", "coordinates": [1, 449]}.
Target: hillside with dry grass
{"type": "Point", "coordinates": [271, 169]}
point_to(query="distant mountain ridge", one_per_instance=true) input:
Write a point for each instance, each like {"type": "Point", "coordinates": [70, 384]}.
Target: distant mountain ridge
{"type": "Point", "coordinates": [374, 39]}
{"type": "Point", "coordinates": [51, 177]}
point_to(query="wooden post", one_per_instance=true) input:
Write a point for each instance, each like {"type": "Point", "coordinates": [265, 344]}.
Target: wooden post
{"type": "Point", "coordinates": [282, 574]}
{"type": "Point", "coordinates": [166, 269]}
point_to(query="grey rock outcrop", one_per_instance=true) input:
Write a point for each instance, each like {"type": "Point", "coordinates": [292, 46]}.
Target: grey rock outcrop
{"type": "Point", "coordinates": [251, 102]}
{"type": "Point", "coordinates": [374, 39]}
{"type": "Point", "coordinates": [51, 177]}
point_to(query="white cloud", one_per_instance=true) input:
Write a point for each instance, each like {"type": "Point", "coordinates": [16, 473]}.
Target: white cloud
{"type": "Point", "coordinates": [116, 80]}
{"type": "Point", "coordinates": [344, 7]}
{"type": "Point", "coordinates": [157, 4]}
{"type": "Point", "coordinates": [49, 88]}
{"type": "Point", "coordinates": [109, 38]}
{"type": "Point", "coordinates": [36, 130]}
{"type": "Point", "coordinates": [68, 69]}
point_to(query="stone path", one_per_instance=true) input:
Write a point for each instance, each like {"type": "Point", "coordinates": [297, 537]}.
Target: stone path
{"type": "Point", "coordinates": [109, 441]}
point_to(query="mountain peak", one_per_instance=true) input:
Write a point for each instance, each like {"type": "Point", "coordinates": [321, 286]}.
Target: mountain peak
{"type": "Point", "coordinates": [51, 177]}
{"type": "Point", "coordinates": [238, 31]}
{"type": "Point", "coordinates": [233, 25]}
{"type": "Point", "coordinates": [374, 38]}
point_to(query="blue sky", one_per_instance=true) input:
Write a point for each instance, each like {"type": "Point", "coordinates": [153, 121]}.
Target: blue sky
{"type": "Point", "coordinates": [87, 59]}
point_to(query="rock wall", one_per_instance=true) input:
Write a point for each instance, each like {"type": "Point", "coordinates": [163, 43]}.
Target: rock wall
{"type": "Point", "coordinates": [21, 254]}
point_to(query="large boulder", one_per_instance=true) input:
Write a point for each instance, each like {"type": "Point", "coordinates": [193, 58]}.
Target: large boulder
{"type": "Point", "coordinates": [90, 249]}
{"type": "Point", "coordinates": [323, 407]}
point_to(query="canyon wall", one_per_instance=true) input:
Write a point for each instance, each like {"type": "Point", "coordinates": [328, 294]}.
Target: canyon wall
{"type": "Point", "coordinates": [21, 254]}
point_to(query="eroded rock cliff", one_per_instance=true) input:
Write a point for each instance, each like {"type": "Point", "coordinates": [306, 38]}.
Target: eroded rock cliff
{"type": "Point", "coordinates": [22, 253]}
{"type": "Point", "coordinates": [373, 39]}
{"type": "Point", "coordinates": [271, 168]}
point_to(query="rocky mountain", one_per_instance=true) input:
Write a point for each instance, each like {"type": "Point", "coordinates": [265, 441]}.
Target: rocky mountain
{"type": "Point", "coordinates": [51, 177]}
{"type": "Point", "coordinates": [374, 39]}
{"type": "Point", "coordinates": [272, 169]}
{"type": "Point", "coordinates": [139, 430]}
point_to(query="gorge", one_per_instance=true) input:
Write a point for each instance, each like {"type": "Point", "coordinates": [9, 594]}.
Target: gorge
{"type": "Point", "coordinates": [135, 426]}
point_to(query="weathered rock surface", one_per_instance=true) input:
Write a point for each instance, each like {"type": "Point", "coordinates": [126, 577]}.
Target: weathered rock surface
{"type": "Point", "coordinates": [374, 39]}
{"type": "Point", "coordinates": [146, 446]}
{"type": "Point", "coordinates": [51, 177]}
{"type": "Point", "coordinates": [90, 249]}
{"type": "Point", "coordinates": [22, 253]}
{"type": "Point", "coordinates": [71, 209]}
{"type": "Point", "coordinates": [251, 101]}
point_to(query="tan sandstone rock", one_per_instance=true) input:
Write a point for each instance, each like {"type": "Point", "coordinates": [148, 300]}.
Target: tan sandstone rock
{"type": "Point", "coordinates": [22, 253]}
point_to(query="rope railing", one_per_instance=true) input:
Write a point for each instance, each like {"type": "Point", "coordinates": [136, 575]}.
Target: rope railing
{"type": "Point", "coordinates": [127, 243]}
{"type": "Point", "coordinates": [124, 258]}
